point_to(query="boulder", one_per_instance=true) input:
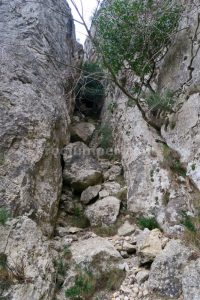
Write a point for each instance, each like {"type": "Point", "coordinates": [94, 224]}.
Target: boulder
{"type": "Point", "coordinates": [90, 193]}
{"type": "Point", "coordinates": [88, 253]}
{"type": "Point", "coordinates": [82, 131]}
{"type": "Point", "coordinates": [190, 281]}
{"type": "Point", "coordinates": [149, 245]}
{"type": "Point", "coordinates": [101, 258]}
{"type": "Point", "coordinates": [126, 229]}
{"type": "Point", "coordinates": [104, 212]}
{"type": "Point", "coordinates": [142, 276]}
{"type": "Point", "coordinates": [81, 169]}
{"type": "Point", "coordinates": [166, 272]}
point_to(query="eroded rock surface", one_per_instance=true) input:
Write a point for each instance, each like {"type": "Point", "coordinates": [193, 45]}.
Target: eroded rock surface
{"type": "Point", "coordinates": [37, 43]}
{"type": "Point", "coordinates": [166, 273]}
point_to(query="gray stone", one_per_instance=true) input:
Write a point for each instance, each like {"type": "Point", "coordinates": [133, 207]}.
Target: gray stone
{"type": "Point", "coordinates": [190, 281]}
{"type": "Point", "coordinates": [90, 193]}
{"type": "Point", "coordinates": [103, 212]}
{"type": "Point", "coordinates": [149, 245]}
{"type": "Point", "coordinates": [142, 276]}
{"type": "Point", "coordinates": [99, 255]}
{"type": "Point", "coordinates": [166, 272]}
{"type": "Point", "coordinates": [113, 172]}
{"type": "Point", "coordinates": [81, 168]}
{"type": "Point", "coordinates": [25, 245]}
{"type": "Point", "coordinates": [126, 229]}
{"type": "Point", "coordinates": [82, 131]}
{"type": "Point", "coordinates": [37, 44]}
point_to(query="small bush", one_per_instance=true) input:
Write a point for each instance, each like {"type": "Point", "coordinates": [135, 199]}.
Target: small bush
{"type": "Point", "coordinates": [177, 168]}
{"type": "Point", "coordinates": [188, 222]}
{"type": "Point", "coordinates": [106, 137]}
{"type": "Point", "coordinates": [60, 266]}
{"type": "Point", "coordinates": [192, 230]}
{"type": "Point", "coordinates": [67, 252]}
{"type": "Point", "coordinates": [4, 215]}
{"type": "Point", "coordinates": [163, 101]}
{"type": "Point", "coordinates": [149, 223]}
{"type": "Point", "coordinates": [172, 161]}
{"type": "Point", "coordinates": [83, 288]}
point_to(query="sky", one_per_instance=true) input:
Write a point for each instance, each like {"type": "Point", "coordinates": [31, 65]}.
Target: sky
{"type": "Point", "coordinates": [88, 7]}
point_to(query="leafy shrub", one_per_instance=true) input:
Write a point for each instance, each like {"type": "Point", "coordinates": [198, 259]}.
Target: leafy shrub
{"type": "Point", "coordinates": [4, 215]}
{"type": "Point", "coordinates": [135, 32]}
{"type": "Point", "coordinates": [163, 101]}
{"type": "Point", "coordinates": [149, 223]}
{"type": "Point", "coordinates": [105, 137]}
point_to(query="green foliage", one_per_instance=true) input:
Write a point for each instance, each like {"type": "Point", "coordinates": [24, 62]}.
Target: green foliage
{"type": "Point", "coordinates": [105, 137]}
{"type": "Point", "coordinates": [149, 223]}
{"type": "Point", "coordinates": [83, 288]}
{"type": "Point", "coordinates": [67, 252]}
{"type": "Point", "coordinates": [112, 106]}
{"type": "Point", "coordinates": [177, 168]}
{"type": "Point", "coordinates": [4, 215]}
{"type": "Point", "coordinates": [79, 221]}
{"type": "Point", "coordinates": [3, 261]}
{"type": "Point", "coordinates": [87, 284]}
{"type": "Point", "coordinates": [171, 161]}
{"type": "Point", "coordinates": [163, 101]}
{"type": "Point", "coordinates": [2, 158]}
{"type": "Point", "coordinates": [193, 167]}
{"type": "Point", "coordinates": [188, 222]}
{"type": "Point", "coordinates": [90, 87]}
{"type": "Point", "coordinates": [60, 266]}
{"type": "Point", "coordinates": [136, 32]}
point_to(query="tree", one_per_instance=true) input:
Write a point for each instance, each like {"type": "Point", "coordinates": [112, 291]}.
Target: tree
{"type": "Point", "coordinates": [133, 35]}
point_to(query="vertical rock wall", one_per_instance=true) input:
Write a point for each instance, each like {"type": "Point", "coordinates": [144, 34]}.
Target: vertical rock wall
{"type": "Point", "coordinates": [152, 187]}
{"type": "Point", "coordinates": [37, 49]}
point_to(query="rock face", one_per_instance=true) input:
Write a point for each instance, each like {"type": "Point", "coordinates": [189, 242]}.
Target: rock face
{"type": "Point", "coordinates": [29, 256]}
{"type": "Point", "coordinates": [37, 42]}
{"type": "Point", "coordinates": [167, 270]}
{"type": "Point", "coordinates": [103, 212]}
{"type": "Point", "coordinates": [190, 281]}
{"type": "Point", "coordinates": [81, 168]}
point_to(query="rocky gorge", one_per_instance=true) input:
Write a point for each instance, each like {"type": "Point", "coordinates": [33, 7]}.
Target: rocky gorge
{"type": "Point", "coordinates": [95, 203]}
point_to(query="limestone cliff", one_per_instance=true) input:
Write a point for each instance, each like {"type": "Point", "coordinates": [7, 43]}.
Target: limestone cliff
{"type": "Point", "coordinates": [37, 49]}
